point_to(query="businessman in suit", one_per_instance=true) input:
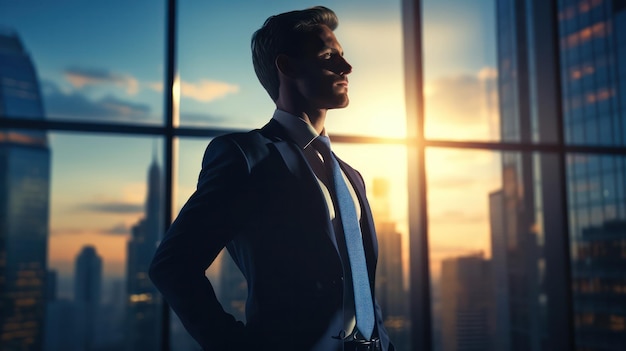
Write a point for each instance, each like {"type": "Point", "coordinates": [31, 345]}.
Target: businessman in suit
{"type": "Point", "coordinates": [294, 218]}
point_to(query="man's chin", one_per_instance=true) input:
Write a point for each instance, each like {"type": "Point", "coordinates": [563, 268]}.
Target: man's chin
{"type": "Point", "coordinates": [340, 104]}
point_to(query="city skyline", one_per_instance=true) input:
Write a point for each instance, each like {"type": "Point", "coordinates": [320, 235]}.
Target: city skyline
{"type": "Point", "coordinates": [95, 203]}
{"type": "Point", "coordinates": [82, 213]}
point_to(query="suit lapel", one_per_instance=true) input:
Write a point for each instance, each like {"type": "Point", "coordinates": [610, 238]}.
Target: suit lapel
{"type": "Point", "coordinates": [296, 162]}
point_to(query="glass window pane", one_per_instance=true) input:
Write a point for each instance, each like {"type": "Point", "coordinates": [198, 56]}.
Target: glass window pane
{"type": "Point", "coordinates": [190, 152]}
{"type": "Point", "coordinates": [220, 89]}
{"type": "Point", "coordinates": [384, 169]}
{"type": "Point", "coordinates": [105, 221]}
{"type": "Point", "coordinates": [486, 236]}
{"type": "Point", "coordinates": [598, 249]}
{"type": "Point", "coordinates": [83, 61]}
{"type": "Point", "coordinates": [461, 70]}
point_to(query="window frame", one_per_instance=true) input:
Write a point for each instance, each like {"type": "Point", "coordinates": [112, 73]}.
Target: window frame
{"type": "Point", "coordinates": [557, 248]}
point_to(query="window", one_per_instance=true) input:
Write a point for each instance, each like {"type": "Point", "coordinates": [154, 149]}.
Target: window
{"type": "Point", "coordinates": [492, 152]}
{"type": "Point", "coordinates": [85, 93]}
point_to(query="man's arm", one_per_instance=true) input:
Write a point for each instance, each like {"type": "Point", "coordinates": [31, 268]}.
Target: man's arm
{"type": "Point", "coordinates": [203, 227]}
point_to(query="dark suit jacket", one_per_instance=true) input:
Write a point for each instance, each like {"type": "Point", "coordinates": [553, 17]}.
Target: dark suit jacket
{"type": "Point", "coordinates": [257, 196]}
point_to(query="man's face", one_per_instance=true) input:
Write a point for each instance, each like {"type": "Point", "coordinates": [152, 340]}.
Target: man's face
{"type": "Point", "coordinates": [321, 70]}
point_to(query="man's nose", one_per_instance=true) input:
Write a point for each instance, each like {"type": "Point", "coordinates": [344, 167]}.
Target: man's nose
{"type": "Point", "coordinates": [345, 67]}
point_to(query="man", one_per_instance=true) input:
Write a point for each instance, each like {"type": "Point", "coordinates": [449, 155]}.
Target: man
{"type": "Point", "coordinates": [294, 218]}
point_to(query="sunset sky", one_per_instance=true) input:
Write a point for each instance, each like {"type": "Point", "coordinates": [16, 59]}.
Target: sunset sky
{"type": "Point", "coordinates": [104, 61]}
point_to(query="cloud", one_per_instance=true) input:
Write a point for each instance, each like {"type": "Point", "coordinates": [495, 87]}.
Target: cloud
{"type": "Point", "coordinates": [80, 77]}
{"type": "Point", "coordinates": [207, 90]}
{"type": "Point", "coordinates": [461, 98]}
{"type": "Point", "coordinates": [76, 105]}
{"type": "Point", "coordinates": [118, 229]}
{"type": "Point", "coordinates": [201, 118]}
{"type": "Point", "coordinates": [66, 231]}
{"type": "Point", "coordinates": [124, 108]}
{"type": "Point", "coordinates": [463, 101]}
{"type": "Point", "coordinates": [204, 91]}
{"type": "Point", "coordinates": [113, 207]}
{"type": "Point", "coordinates": [488, 74]}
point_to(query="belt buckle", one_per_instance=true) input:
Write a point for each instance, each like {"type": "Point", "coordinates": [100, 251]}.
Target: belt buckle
{"type": "Point", "coordinates": [364, 345]}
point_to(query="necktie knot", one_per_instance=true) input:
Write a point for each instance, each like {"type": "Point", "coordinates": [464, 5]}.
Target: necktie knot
{"type": "Point", "coordinates": [322, 144]}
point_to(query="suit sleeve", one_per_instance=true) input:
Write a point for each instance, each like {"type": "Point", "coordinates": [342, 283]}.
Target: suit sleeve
{"type": "Point", "coordinates": [203, 227]}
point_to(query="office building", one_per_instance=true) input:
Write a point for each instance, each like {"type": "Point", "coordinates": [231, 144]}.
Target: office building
{"type": "Point", "coordinates": [143, 300]}
{"type": "Point", "coordinates": [501, 315]}
{"type": "Point", "coordinates": [87, 298]}
{"type": "Point", "coordinates": [593, 77]}
{"type": "Point", "coordinates": [24, 202]}
{"type": "Point", "coordinates": [467, 292]}
{"type": "Point", "coordinates": [578, 51]}
{"type": "Point", "coordinates": [390, 292]}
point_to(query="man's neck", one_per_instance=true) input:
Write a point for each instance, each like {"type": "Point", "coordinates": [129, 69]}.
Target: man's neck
{"type": "Point", "coordinates": [315, 118]}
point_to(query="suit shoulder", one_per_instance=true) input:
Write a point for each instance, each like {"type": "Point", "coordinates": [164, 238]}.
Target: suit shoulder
{"type": "Point", "coordinates": [253, 145]}
{"type": "Point", "coordinates": [250, 137]}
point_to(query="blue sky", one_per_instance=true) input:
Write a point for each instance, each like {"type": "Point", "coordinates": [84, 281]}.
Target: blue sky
{"type": "Point", "coordinates": [103, 61]}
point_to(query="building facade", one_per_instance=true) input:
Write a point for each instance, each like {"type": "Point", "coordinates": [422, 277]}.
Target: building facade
{"type": "Point", "coordinates": [143, 300]}
{"type": "Point", "coordinates": [24, 202]}
{"type": "Point", "coordinates": [467, 311]}
{"type": "Point", "coordinates": [390, 289]}
{"type": "Point", "coordinates": [566, 58]}
{"type": "Point", "coordinates": [592, 38]}
{"type": "Point", "coordinates": [87, 298]}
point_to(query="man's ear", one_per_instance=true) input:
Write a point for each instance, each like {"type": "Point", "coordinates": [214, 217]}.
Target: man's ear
{"type": "Point", "coordinates": [285, 65]}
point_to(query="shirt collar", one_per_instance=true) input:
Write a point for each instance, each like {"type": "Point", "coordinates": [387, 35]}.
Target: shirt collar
{"type": "Point", "coordinates": [298, 129]}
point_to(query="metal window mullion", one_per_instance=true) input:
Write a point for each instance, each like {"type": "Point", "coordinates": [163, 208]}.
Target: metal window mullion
{"type": "Point", "coordinates": [560, 319]}
{"type": "Point", "coordinates": [419, 291]}
{"type": "Point", "coordinates": [169, 110]}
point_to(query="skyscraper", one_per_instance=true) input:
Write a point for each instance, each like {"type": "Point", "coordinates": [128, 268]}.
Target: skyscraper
{"type": "Point", "coordinates": [466, 289]}
{"type": "Point", "coordinates": [143, 300]}
{"type": "Point", "coordinates": [577, 49]}
{"type": "Point", "coordinates": [593, 78]}
{"type": "Point", "coordinates": [501, 315]}
{"type": "Point", "coordinates": [521, 245]}
{"type": "Point", "coordinates": [87, 298]}
{"type": "Point", "coordinates": [24, 202]}
{"type": "Point", "coordinates": [390, 291]}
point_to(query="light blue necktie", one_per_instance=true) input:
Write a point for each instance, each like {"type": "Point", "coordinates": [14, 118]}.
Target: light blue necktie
{"type": "Point", "coordinates": [362, 293]}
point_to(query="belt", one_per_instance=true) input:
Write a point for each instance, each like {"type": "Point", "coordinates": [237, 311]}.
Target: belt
{"type": "Point", "coordinates": [363, 345]}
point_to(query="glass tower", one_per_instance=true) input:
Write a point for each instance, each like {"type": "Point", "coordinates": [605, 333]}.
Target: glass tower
{"type": "Point", "coordinates": [519, 244]}
{"type": "Point", "coordinates": [24, 202]}
{"type": "Point", "coordinates": [585, 43]}
{"type": "Point", "coordinates": [593, 77]}
{"type": "Point", "coordinates": [87, 297]}
{"type": "Point", "coordinates": [143, 300]}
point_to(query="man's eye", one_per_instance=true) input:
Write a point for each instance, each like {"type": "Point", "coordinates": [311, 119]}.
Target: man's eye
{"type": "Point", "coordinates": [327, 55]}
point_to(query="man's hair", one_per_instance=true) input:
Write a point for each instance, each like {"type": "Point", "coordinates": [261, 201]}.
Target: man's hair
{"type": "Point", "coordinates": [281, 34]}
